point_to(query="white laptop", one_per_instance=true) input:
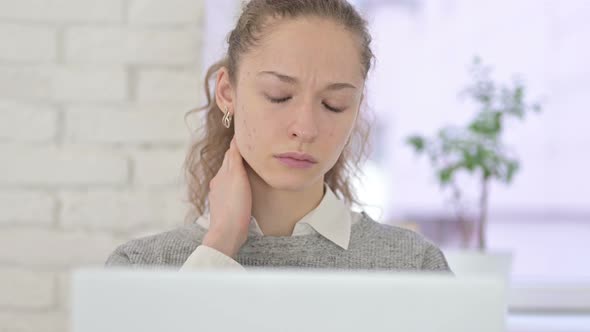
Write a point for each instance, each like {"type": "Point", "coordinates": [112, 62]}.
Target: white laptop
{"type": "Point", "coordinates": [284, 300]}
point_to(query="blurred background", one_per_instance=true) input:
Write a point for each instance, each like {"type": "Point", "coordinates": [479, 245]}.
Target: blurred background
{"type": "Point", "coordinates": [92, 137]}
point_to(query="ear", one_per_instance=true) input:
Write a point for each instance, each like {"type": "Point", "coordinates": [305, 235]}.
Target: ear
{"type": "Point", "coordinates": [224, 92]}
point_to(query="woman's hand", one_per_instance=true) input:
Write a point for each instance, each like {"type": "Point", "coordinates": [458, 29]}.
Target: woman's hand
{"type": "Point", "coordinates": [230, 204]}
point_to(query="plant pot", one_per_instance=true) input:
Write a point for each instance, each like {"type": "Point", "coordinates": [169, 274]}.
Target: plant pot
{"type": "Point", "coordinates": [473, 262]}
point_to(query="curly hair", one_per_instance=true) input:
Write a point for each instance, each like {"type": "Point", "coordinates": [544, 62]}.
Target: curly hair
{"type": "Point", "coordinates": [205, 154]}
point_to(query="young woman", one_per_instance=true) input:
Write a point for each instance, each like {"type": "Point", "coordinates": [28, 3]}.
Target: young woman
{"type": "Point", "coordinates": [270, 178]}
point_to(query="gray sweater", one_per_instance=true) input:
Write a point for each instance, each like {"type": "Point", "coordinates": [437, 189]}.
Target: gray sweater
{"type": "Point", "coordinates": [373, 246]}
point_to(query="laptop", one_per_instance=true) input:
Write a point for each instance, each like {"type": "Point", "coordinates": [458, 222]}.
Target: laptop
{"type": "Point", "coordinates": [284, 300]}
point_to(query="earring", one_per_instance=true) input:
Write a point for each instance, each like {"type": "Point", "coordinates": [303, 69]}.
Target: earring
{"type": "Point", "coordinates": [226, 118]}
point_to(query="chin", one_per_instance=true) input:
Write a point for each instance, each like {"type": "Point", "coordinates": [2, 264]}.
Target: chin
{"type": "Point", "coordinates": [292, 181]}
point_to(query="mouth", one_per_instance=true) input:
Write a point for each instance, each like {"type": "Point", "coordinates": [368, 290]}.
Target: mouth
{"type": "Point", "coordinates": [296, 160]}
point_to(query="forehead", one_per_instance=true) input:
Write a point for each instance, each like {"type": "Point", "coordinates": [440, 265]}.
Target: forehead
{"type": "Point", "coordinates": [308, 47]}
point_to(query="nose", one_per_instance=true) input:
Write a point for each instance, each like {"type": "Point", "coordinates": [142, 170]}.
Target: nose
{"type": "Point", "coordinates": [304, 126]}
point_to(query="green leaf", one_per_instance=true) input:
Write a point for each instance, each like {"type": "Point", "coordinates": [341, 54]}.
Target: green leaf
{"type": "Point", "coordinates": [469, 161]}
{"type": "Point", "coordinates": [417, 142]}
{"type": "Point", "coordinates": [512, 168]}
{"type": "Point", "coordinates": [445, 175]}
{"type": "Point", "coordinates": [487, 124]}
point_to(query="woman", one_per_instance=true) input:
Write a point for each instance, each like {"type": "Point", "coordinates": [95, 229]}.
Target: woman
{"type": "Point", "coordinates": [271, 183]}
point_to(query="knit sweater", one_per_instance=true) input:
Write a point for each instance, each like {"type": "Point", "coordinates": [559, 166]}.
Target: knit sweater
{"type": "Point", "coordinates": [373, 246]}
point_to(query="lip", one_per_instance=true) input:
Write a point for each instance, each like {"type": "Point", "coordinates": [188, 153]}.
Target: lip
{"type": "Point", "coordinates": [296, 159]}
{"type": "Point", "coordinates": [297, 156]}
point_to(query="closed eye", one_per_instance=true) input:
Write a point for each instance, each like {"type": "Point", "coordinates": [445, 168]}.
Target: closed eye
{"type": "Point", "coordinates": [282, 100]}
{"type": "Point", "coordinates": [333, 109]}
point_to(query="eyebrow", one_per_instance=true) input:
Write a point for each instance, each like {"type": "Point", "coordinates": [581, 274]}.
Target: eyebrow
{"type": "Point", "coordinates": [293, 80]}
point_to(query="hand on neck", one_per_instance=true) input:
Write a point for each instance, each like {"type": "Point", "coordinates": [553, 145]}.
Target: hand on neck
{"type": "Point", "coordinates": [277, 211]}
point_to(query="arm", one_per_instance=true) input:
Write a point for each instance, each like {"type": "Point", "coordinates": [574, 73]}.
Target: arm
{"type": "Point", "coordinates": [207, 257]}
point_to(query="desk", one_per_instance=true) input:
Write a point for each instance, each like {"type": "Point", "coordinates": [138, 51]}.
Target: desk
{"type": "Point", "coordinates": [549, 306]}
{"type": "Point", "coordinates": [548, 323]}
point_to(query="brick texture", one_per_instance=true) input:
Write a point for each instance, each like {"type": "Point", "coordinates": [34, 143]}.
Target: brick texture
{"type": "Point", "coordinates": [92, 139]}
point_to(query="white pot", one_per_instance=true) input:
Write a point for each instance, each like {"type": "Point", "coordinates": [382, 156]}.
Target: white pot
{"type": "Point", "coordinates": [472, 262]}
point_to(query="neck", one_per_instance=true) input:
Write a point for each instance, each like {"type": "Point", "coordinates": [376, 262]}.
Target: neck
{"type": "Point", "coordinates": [277, 211]}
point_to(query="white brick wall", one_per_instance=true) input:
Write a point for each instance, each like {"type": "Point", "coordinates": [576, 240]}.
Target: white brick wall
{"type": "Point", "coordinates": [23, 43]}
{"type": "Point", "coordinates": [89, 83]}
{"type": "Point", "coordinates": [162, 85]}
{"type": "Point", "coordinates": [169, 12]}
{"type": "Point", "coordinates": [27, 207]}
{"type": "Point", "coordinates": [125, 127]}
{"type": "Point", "coordinates": [158, 167]}
{"type": "Point", "coordinates": [63, 11]}
{"type": "Point", "coordinates": [163, 46]}
{"type": "Point", "coordinates": [120, 211]}
{"type": "Point", "coordinates": [23, 321]}
{"type": "Point", "coordinates": [92, 139]}
{"type": "Point", "coordinates": [64, 83]}
{"type": "Point", "coordinates": [57, 248]}
{"type": "Point", "coordinates": [25, 82]}
{"type": "Point", "coordinates": [61, 166]}
{"type": "Point", "coordinates": [27, 122]}
{"type": "Point", "coordinates": [25, 289]}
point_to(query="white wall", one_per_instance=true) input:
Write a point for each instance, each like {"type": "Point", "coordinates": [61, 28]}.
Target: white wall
{"type": "Point", "coordinates": [423, 52]}
{"type": "Point", "coordinates": [92, 138]}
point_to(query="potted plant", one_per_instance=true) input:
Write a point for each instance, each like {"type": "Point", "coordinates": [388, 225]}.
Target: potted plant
{"type": "Point", "coordinates": [476, 150]}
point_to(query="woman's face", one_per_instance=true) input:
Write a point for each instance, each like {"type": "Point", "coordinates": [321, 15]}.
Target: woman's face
{"type": "Point", "coordinates": [298, 92]}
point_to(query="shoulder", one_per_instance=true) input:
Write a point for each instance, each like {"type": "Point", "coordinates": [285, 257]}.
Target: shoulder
{"type": "Point", "coordinates": [390, 234]}
{"type": "Point", "coordinates": [166, 248]}
{"type": "Point", "coordinates": [403, 244]}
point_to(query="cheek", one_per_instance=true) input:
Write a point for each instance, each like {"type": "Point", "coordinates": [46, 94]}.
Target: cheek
{"type": "Point", "coordinates": [250, 134]}
{"type": "Point", "coordinates": [248, 130]}
{"type": "Point", "coordinates": [338, 136]}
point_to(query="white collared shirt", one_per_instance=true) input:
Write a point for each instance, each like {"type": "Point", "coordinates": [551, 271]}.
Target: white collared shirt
{"type": "Point", "coordinates": [331, 218]}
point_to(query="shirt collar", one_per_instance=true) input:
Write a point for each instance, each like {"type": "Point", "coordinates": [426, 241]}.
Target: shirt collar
{"type": "Point", "coordinates": [331, 219]}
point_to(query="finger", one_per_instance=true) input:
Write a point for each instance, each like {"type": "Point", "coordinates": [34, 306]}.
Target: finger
{"type": "Point", "coordinates": [229, 154]}
{"type": "Point", "coordinates": [235, 149]}
{"type": "Point", "coordinates": [235, 144]}
{"type": "Point", "coordinates": [238, 159]}
{"type": "Point", "coordinates": [225, 163]}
